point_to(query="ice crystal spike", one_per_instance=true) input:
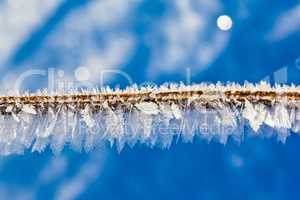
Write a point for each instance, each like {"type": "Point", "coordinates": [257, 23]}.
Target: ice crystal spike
{"type": "Point", "coordinates": [149, 115]}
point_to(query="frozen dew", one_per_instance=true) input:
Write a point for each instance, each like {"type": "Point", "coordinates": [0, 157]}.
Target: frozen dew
{"type": "Point", "coordinates": [176, 111]}
{"type": "Point", "coordinates": [295, 118]}
{"type": "Point", "coordinates": [152, 122]}
{"type": "Point", "coordinates": [255, 114]}
{"type": "Point", "coordinates": [27, 108]}
{"type": "Point", "coordinates": [148, 108]}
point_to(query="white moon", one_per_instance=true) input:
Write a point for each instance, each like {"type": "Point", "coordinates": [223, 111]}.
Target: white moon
{"type": "Point", "coordinates": [224, 22]}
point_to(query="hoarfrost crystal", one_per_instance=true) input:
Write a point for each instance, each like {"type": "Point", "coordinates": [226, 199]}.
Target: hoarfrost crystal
{"type": "Point", "coordinates": [151, 116]}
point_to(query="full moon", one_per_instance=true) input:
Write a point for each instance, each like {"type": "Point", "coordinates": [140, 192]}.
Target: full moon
{"type": "Point", "coordinates": [224, 22]}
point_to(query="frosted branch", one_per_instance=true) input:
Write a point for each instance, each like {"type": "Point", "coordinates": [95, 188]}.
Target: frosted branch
{"type": "Point", "coordinates": [153, 116]}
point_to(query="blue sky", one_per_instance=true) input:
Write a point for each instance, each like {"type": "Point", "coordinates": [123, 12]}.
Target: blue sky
{"type": "Point", "coordinates": [151, 42]}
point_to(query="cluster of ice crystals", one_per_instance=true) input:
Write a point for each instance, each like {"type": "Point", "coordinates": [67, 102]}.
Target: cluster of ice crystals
{"type": "Point", "coordinates": [210, 116]}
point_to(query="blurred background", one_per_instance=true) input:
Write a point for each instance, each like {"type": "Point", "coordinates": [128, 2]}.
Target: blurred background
{"type": "Point", "coordinates": [61, 44]}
